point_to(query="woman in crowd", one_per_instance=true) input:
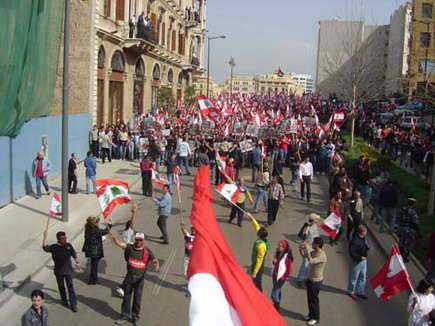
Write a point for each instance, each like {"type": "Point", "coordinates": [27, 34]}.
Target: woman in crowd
{"type": "Point", "coordinates": [421, 304]}
{"type": "Point", "coordinates": [282, 268]}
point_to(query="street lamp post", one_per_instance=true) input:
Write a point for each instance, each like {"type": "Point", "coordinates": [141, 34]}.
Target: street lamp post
{"type": "Point", "coordinates": [232, 64]}
{"type": "Point", "coordinates": [208, 58]}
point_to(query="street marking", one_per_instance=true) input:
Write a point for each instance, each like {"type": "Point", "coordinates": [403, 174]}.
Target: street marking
{"type": "Point", "coordinates": [165, 271]}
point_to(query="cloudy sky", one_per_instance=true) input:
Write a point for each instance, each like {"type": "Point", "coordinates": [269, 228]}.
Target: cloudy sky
{"type": "Point", "coordinates": [262, 35]}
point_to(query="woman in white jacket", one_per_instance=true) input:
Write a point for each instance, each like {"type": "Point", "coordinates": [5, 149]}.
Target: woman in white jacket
{"type": "Point", "coordinates": [421, 304]}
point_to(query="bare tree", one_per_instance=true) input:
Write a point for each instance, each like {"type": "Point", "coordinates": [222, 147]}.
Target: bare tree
{"type": "Point", "coordinates": [354, 63]}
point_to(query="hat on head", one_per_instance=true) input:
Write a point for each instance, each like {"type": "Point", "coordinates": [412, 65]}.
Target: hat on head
{"type": "Point", "coordinates": [139, 236]}
{"type": "Point", "coordinates": [313, 217]}
{"type": "Point", "coordinates": [412, 201]}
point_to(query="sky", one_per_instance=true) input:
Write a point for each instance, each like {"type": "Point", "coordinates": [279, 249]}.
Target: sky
{"type": "Point", "coordinates": [264, 35]}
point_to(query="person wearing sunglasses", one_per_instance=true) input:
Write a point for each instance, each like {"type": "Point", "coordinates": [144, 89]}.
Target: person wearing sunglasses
{"type": "Point", "coordinates": [137, 257]}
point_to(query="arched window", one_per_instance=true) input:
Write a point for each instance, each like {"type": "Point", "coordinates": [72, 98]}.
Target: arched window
{"type": "Point", "coordinates": [139, 69]}
{"type": "Point", "coordinates": [101, 57]}
{"type": "Point", "coordinates": [170, 76]}
{"type": "Point", "coordinates": [180, 79]}
{"type": "Point", "coordinates": [156, 72]}
{"type": "Point", "coordinates": [187, 78]}
{"type": "Point", "coordinates": [117, 63]}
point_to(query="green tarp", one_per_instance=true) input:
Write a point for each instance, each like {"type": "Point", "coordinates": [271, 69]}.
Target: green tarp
{"type": "Point", "coordinates": [30, 33]}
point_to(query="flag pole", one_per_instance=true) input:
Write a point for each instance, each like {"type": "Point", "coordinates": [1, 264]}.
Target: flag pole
{"type": "Point", "coordinates": [48, 222]}
{"type": "Point", "coordinates": [179, 204]}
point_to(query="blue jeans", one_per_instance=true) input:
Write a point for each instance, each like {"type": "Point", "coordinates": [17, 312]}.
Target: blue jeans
{"type": "Point", "coordinates": [295, 176]}
{"type": "Point", "coordinates": [162, 157]}
{"type": "Point", "coordinates": [392, 212]}
{"type": "Point", "coordinates": [38, 185]}
{"type": "Point", "coordinates": [303, 270]}
{"type": "Point", "coordinates": [170, 180]}
{"type": "Point", "coordinates": [89, 179]}
{"type": "Point", "coordinates": [276, 291]}
{"type": "Point", "coordinates": [184, 161]}
{"type": "Point", "coordinates": [261, 194]}
{"type": "Point", "coordinates": [357, 276]}
{"type": "Point", "coordinates": [283, 153]}
{"type": "Point", "coordinates": [123, 149]}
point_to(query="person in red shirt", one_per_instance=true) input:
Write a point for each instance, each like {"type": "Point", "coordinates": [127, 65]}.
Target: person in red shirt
{"type": "Point", "coordinates": [40, 169]}
{"type": "Point", "coordinates": [283, 146]}
{"type": "Point", "coordinates": [145, 169]}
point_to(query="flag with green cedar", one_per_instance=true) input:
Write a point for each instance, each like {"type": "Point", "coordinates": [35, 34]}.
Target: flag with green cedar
{"type": "Point", "coordinates": [221, 162]}
{"type": "Point", "coordinates": [55, 208]}
{"type": "Point", "coordinates": [110, 193]}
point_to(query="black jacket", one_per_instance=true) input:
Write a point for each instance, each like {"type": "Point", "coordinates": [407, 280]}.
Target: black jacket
{"type": "Point", "coordinates": [358, 248]}
{"type": "Point", "coordinates": [93, 246]}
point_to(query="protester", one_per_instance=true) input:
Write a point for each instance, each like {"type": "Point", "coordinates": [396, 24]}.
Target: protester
{"type": "Point", "coordinates": [421, 304]}
{"type": "Point", "coordinates": [106, 144]}
{"type": "Point", "coordinates": [93, 245]}
{"type": "Point", "coordinates": [37, 314]}
{"type": "Point", "coordinates": [72, 174]}
{"type": "Point", "coordinates": [317, 260]}
{"type": "Point", "coordinates": [183, 151]}
{"type": "Point", "coordinates": [356, 213]}
{"type": "Point", "coordinates": [240, 201]}
{"type": "Point", "coordinates": [358, 252]}
{"type": "Point", "coordinates": [171, 164]}
{"type": "Point", "coordinates": [282, 268]}
{"type": "Point", "coordinates": [164, 210]}
{"type": "Point", "coordinates": [261, 185]}
{"type": "Point", "coordinates": [91, 172]}
{"type": "Point", "coordinates": [146, 173]}
{"type": "Point", "coordinates": [388, 200]}
{"type": "Point", "coordinates": [275, 195]}
{"type": "Point", "coordinates": [306, 176]}
{"type": "Point", "coordinates": [137, 257]}
{"type": "Point", "coordinates": [259, 251]}
{"type": "Point", "coordinates": [408, 228]}
{"type": "Point", "coordinates": [256, 161]}
{"type": "Point", "coordinates": [310, 231]}
{"type": "Point", "coordinates": [61, 252]}
{"type": "Point", "coordinates": [40, 168]}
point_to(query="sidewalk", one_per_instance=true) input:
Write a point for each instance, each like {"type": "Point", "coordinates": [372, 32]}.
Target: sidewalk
{"type": "Point", "coordinates": [22, 224]}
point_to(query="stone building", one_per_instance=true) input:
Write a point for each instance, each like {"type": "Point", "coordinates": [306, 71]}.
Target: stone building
{"type": "Point", "coordinates": [240, 84]}
{"type": "Point", "coordinates": [275, 84]}
{"type": "Point", "coordinates": [200, 84]}
{"type": "Point", "coordinates": [165, 50]}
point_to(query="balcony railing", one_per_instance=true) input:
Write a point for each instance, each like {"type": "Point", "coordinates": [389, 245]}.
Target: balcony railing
{"type": "Point", "coordinates": [195, 61]}
{"type": "Point", "coordinates": [147, 34]}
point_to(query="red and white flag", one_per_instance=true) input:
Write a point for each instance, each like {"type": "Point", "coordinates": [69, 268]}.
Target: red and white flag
{"type": "Point", "coordinates": [284, 268]}
{"type": "Point", "coordinates": [222, 294]}
{"type": "Point", "coordinates": [110, 193]}
{"type": "Point", "coordinates": [332, 224]}
{"type": "Point", "coordinates": [205, 105]}
{"type": "Point", "coordinates": [229, 190]}
{"type": "Point", "coordinates": [263, 152]}
{"type": "Point", "coordinates": [221, 162]}
{"type": "Point", "coordinates": [177, 179]}
{"type": "Point", "coordinates": [56, 207]}
{"type": "Point", "coordinates": [157, 180]}
{"type": "Point", "coordinates": [393, 278]}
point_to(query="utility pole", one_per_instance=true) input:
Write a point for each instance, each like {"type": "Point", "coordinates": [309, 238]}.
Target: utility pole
{"type": "Point", "coordinates": [65, 113]}
{"type": "Point", "coordinates": [209, 38]}
{"type": "Point", "coordinates": [232, 64]}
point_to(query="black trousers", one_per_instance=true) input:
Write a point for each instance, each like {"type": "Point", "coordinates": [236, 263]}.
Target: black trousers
{"type": "Point", "coordinates": [61, 280]}
{"type": "Point", "coordinates": [133, 286]}
{"type": "Point", "coordinates": [93, 275]}
{"type": "Point", "coordinates": [72, 183]}
{"type": "Point", "coordinates": [235, 210]}
{"type": "Point", "coordinates": [106, 153]}
{"type": "Point", "coordinates": [147, 187]}
{"type": "Point", "coordinates": [306, 182]}
{"type": "Point", "coordinates": [161, 223]}
{"type": "Point", "coordinates": [95, 148]}
{"type": "Point", "coordinates": [313, 290]}
{"type": "Point", "coordinates": [272, 210]}
{"type": "Point", "coordinates": [352, 225]}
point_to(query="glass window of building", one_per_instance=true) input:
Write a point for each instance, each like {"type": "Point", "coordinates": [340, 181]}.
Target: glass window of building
{"type": "Point", "coordinates": [424, 40]}
{"type": "Point", "coordinates": [426, 10]}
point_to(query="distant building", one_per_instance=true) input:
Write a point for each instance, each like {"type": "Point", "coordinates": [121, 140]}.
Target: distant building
{"type": "Point", "coordinates": [399, 50]}
{"type": "Point", "coordinates": [342, 45]}
{"type": "Point", "coordinates": [240, 84]}
{"type": "Point", "coordinates": [306, 82]}
{"type": "Point", "coordinates": [274, 84]}
{"type": "Point", "coordinates": [200, 84]}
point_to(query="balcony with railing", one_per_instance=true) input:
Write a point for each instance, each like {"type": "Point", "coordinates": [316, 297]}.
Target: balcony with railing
{"type": "Point", "coordinates": [195, 62]}
{"type": "Point", "coordinates": [148, 35]}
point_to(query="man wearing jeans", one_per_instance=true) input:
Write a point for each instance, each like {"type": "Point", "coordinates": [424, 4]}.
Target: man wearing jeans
{"type": "Point", "coordinates": [91, 172]}
{"type": "Point", "coordinates": [137, 257]}
{"type": "Point", "coordinates": [306, 177]}
{"type": "Point", "coordinates": [164, 204]}
{"type": "Point", "coordinates": [358, 251]}
{"type": "Point", "coordinates": [183, 151]}
{"type": "Point", "coordinates": [317, 260]}
{"type": "Point", "coordinates": [40, 168]}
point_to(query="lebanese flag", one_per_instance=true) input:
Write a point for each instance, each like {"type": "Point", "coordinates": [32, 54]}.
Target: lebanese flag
{"type": "Point", "coordinates": [256, 120]}
{"type": "Point", "coordinates": [205, 105]}
{"type": "Point", "coordinates": [393, 278]}
{"type": "Point", "coordinates": [279, 72]}
{"type": "Point", "coordinates": [284, 268]}
{"type": "Point", "coordinates": [263, 152]}
{"type": "Point", "coordinates": [177, 178]}
{"type": "Point", "coordinates": [110, 193]}
{"type": "Point", "coordinates": [228, 128]}
{"type": "Point", "coordinates": [222, 294]}
{"type": "Point", "coordinates": [220, 162]}
{"type": "Point", "coordinates": [229, 190]}
{"type": "Point", "coordinates": [332, 224]}
{"type": "Point", "coordinates": [157, 180]}
{"type": "Point", "coordinates": [56, 207]}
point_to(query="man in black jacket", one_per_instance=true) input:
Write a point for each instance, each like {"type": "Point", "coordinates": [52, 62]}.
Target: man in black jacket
{"type": "Point", "coordinates": [72, 174]}
{"type": "Point", "coordinates": [358, 251]}
{"type": "Point", "coordinates": [388, 200]}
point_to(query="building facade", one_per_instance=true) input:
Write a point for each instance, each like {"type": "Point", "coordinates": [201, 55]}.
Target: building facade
{"type": "Point", "coordinates": [399, 50]}
{"type": "Point", "coordinates": [200, 84]}
{"type": "Point", "coordinates": [422, 50]}
{"type": "Point", "coordinates": [162, 48]}
{"type": "Point", "coordinates": [240, 84]}
{"type": "Point", "coordinates": [306, 82]}
{"type": "Point", "coordinates": [275, 84]}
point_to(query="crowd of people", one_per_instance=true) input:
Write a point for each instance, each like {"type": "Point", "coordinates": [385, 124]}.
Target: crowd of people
{"type": "Point", "coordinates": [175, 145]}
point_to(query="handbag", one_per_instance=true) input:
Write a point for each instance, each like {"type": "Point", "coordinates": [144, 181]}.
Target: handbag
{"type": "Point", "coordinates": [301, 233]}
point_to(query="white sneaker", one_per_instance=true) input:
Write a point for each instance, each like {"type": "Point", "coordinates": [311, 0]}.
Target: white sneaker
{"type": "Point", "coordinates": [120, 292]}
{"type": "Point", "coordinates": [312, 322]}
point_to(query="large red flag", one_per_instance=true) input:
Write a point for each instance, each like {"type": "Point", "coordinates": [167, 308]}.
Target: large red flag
{"type": "Point", "coordinates": [222, 294]}
{"type": "Point", "coordinates": [393, 278]}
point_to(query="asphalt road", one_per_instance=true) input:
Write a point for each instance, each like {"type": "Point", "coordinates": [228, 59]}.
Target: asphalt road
{"type": "Point", "coordinates": [164, 302]}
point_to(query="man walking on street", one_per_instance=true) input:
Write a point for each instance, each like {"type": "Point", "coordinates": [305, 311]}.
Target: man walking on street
{"type": "Point", "coordinates": [358, 251]}
{"type": "Point", "coordinates": [72, 174]}
{"type": "Point", "coordinates": [61, 253]}
{"type": "Point", "coordinates": [164, 209]}
{"type": "Point", "coordinates": [275, 196]}
{"type": "Point", "coordinates": [37, 314]}
{"type": "Point", "coordinates": [306, 177]}
{"type": "Point", "coordinates": [91, 172]}
{"type": "Point", "coordinates": [40, 168]}
{"type": "Point", "coordinates": [183, 151]}
{"type": "Point", "coordinates": [137, 257]}
{"type": "Point", "coordinates": [317, 260]}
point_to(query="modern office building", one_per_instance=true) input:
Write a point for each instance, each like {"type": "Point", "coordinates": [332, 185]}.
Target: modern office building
{"type": "Point", "coordinates": [306, 82]}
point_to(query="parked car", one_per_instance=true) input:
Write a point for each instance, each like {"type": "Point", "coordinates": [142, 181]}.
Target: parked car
{"type": "Point", "coordinates": [408, 121]}
{"type": "Point", "coordinates": [384, 117]}
{"type": "Point", "coordinates": [398, 112]}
